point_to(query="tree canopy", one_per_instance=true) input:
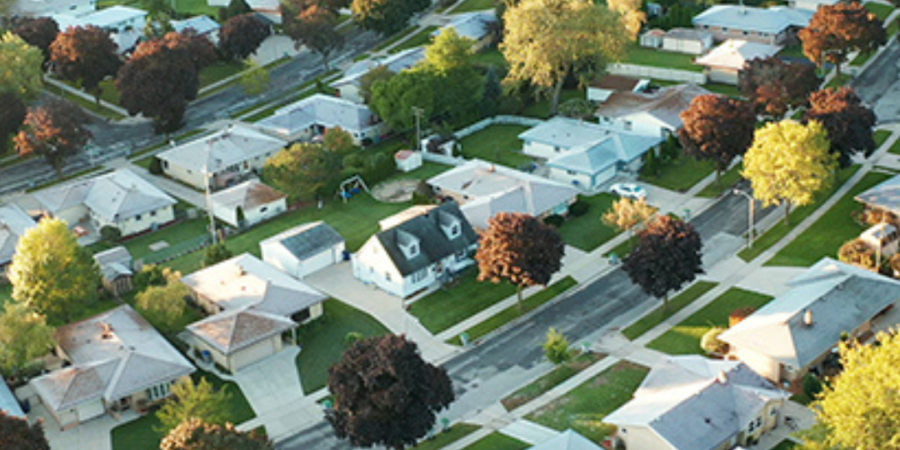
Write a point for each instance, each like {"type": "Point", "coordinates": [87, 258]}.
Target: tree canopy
{"type": "Point", "coordinates": [836, 30]}
{"type": "Point", "coordinates": [55, 131]}
{"type": "Point", "coordinates": [255, 79]}
{"type": "Point", "coordinates": [633, 15]}
{"type": "Point", "coordinates": [12, 114]}
{"type": "Point", "coordinates": [24, 336]}
{"type": "Point", "coordinates": [85, 55]}
{"type": "Point", "coordinates": [789, 163]}
{"type": "Point", "coordinates": [191, 400]}
{"type": "Point", "coordinates": [21, 63]}
{"type": "Point", "coordinates": [168, 302]}
{"type": "Point", "coordinates": [52, 273]}
{"type": "Point", "coordinates": [194, 434]}
{"type": "Point", "coordinates": [241, 35]}
{"type": "Point", "coordinates": [626, 214]}
{"type": "Point", "coordinates": [303, 171]}
{"type": "Point", "coordinates": [39, 32]}
{"type": "Point", "coordinates": [773, 85]}
{"type": "Point", "coordinates": [385, 393]}
{"type": "Point", "coordinates": [544, 40]}
{"type": "Point", "coordinates": [315, 28]}
{"type": "Point", "coordinates": [668, 255]}
{"type": "Point", "coordinates": [718, 129]}
{"type": "Point", "coordinates": [448, 51]}
{"type": "Point", "coordinates": [849, 123]}
{"type": "Point", "coordinates": [386, 16]}
{"type": "Point", "coordinates": [17, 434]}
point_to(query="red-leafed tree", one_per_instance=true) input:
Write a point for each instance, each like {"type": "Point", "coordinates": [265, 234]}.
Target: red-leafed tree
{"type": "Point", "coordinates": [315, 28]}
{"type": "Point", "coordinates": [54, 131]}
{"type": "Point", "coordinates": [240, 36]}
{"type": "Point", "coordinates": [86, 55]}
{"type": "Point", "coordinates": [12, 114]}
{"type": "Point", "coordinates": [668, 255]}
{"type": "Point", "coordinates": [385, 394]}
{"type": "Point", "coordinates": [847, 120]}
{"type": "Point", "coordinates": [836, 30]}
{"type": "Point", "coordinates": [198, 47]}
{"type": "Point", "coordinates": [519, 248]}
{"type": "Point", "coordinates": [773, 86]}
{"type": "Point", "coordinates": [38, 31]}
{"type": "Point", "coordinates": [717, 128]}
{"type": "Point", "coordinates": [17, 434]}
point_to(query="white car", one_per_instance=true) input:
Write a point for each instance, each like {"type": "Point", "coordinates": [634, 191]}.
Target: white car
{"type": "Point", "coordinates": [628, 190]}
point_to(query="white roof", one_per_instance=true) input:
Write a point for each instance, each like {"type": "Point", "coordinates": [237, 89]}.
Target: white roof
{"type": "Point", "coordinates": [202, 24]}
{"type": "Point", "coordinates": [596, 157]}
{"type": "Point", "coordinates": [247, 195]}
{"type": "Point", "coordinates": [116, 196]}
{"type": "Point", "coordinates": [395, 63]}
{"type": "Point", "coordinates": [322, 110]}
{"type": "Point", "coordinates": [565, 133]}
{"type": "Point", "coordinates": [214, 153]}
{"type": "Point", "coordinates": [114, 262]}
{"type": "Point", "coordinates": [765, 20]}
{"type": "Point", "coordinates": [473, 25]}
{"type": "Point", "coordinates": [8, 402]}
{"type": "Point", "coordinates": [38, 8]}
{"type": "Point", "coordinates": [734, 53]}
{"type": "Point", "coordinates": [13, 224]}
{"type": "Point", "coordinates": [567, 440]}
{"type": "Point", "coordinates": [114, 15]}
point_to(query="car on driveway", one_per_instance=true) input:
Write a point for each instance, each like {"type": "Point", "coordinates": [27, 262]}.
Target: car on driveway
{"type": "Point", "coordinates": [628, 190]}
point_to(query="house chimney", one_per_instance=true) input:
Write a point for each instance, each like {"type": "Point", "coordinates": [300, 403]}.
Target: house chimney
{"type": "Point", "coordinates": [808, 318]}
{"type": "Point", "coordinates": [107, 330]}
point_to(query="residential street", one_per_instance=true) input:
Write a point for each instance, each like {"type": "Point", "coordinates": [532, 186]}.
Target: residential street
{"type": "Point", "coordinates": [879, 84]}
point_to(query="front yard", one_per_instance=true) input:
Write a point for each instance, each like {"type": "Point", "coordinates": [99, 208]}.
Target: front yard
{"type": "Point", "coordinates": [458, 301]}
{"type": "Point", "coordinates": [497, 441]}
{"type": "Point", "coordinates": [663, 312]}
{"type": "Point", "coordinates": [684, 338]}
{"type": "Point", "coordinates": [589, 231]}
{"type": "Point", "coordinates": [497, 143]}
{"type": "Point", "coordinates": [680, 174]}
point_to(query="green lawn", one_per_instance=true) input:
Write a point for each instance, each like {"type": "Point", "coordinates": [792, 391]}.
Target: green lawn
{"type": "Point", "coordinates": [895, 149]}
{"type": "Point", "coordinates": [322, 342]}
{"type": "Point", "coordinates": [443, 439]}
{"type": "Point", "coordinates": [393, 39]}
{"type": "Point", "coordinates": [880, 136]}
{"type": "Point", "coordinates": [218, 71]}
{"type": "Point", "coordinates": [827, 234]}
{"type": "Point", "coordinates": [423, 37]}
{"type": "Point", "coordinates": [893, 28]}
{"type": "Point", "coordinates": [670, 60]}
{"type": "Point", "coordinates": [785, 445]}
{"type": "Point", "coordinates": [862, 58]}
{"type": "Point", "coordinates": [497, 441]}
{"type": "Point", "coordinates": [724, 89]}
{"type": "Point", "coordinates": [458, 301]}
{"type": "Point", "coordinates": [5, 294]}
{"type": "Point", "coordinates": [726, 182]}
{"type": "Point", "coordinates": [89, 105]}
{"type": "Point", "coordinates": [661, 313]}
{"type": "Point", "coordinates": [880, 10]}
{"type": "Point", "coordinates": [839, 80]}
{"type": "Point", "coordinates": [793, 51]}
{"type": "Point", "coordinates": [184, 231]}
{"type": "Point", "coordinates": [550, 380]}
{"type": "Point", "coordinates": [497, 143]}
{"type": "Point", "coordinates": [779, 230]}
{"type": "Point", "coordinates": [514, 312]}
{"type": "Point", "coordinates": [584, 408]}
{"type": "Point", "coordinates": [490, 57]}
{"type": "Point", "coordinates": [684, 338]}
{"type": "Point", "coordinates": [588, 231]}
{"type": "Point", "coordinates": [474, 5]}
{"type": "Point", "coordinates": [681, 174]}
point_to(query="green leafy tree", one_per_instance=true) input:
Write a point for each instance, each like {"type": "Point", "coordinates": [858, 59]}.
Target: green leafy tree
{"type": "Point", "coordinates": [168, 302]}
{"type": "Point", "coordinates": [393, 100]}
{"type": "Point", "coordinates": [194, 434]}
{"type": "Point", "coordinates": [380, 73]}
{"type": "Point", "coordinates": [339, 141]}
{"type": "Point", "coordinates": [17, 434]}
{"type": "Point", "coordinates": [255, 79]}
{"type": "Point", "coordinates": [215, 254]}
{"type": "Point", "coordinates": [55, 131]}
{"type": "Point", "coordinates": [303, 171]}
{"type": "Point", "coordinates": [85, 55]}
{"type": "Point", "coordinates": [12, 115]}
{"type": "Point", "coordinates": [150, 275]}
{"type": "Point", "coordinates": [24, 336]}
{"type": "Point", "coordinates": [556, 347]}
{"type": "Point", "coordinates": [385, 16]}
{"type": "Point", "coordinates": [52, 273]}
{"type": "Point", "coordinates": [448, 51]}
{"type": "Point", "coordinates": [236, 8]}
{"type": "Point", "coordinates": [21, 63]}
{"type": "Point", "coordinates": [668, 255]}
{"type": "Point", "coordinates": [493, 92]}
{"type": "Point", "coordinates": [191, 400]}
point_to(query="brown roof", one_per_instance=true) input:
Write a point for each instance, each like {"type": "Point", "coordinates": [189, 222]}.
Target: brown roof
{"type": "Point", "coordinates": [666, 104]}
{"type": "Point", "coordinates": [616, 83]}
{"type": "Point", "coordinates": [230, 332]}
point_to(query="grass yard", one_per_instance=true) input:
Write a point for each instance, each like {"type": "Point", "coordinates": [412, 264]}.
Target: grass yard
{"type": "Point", "coordinates": [497, 441]}
{"type": "Point", "coordinates": [423, 37]}
{"type": "Point", "coordinates": [474, 5]}
{"type": "Point", "coordinates": [219, 71]}
{"type": "Point", "coordinates": [839, 80]}
{"type": "Point", "coordinates": [553, 378]}
{"type": "Point", "coordinates": [490, 57]}
{"type": "Point", "coordinates": [724, 89]}
{"type": "Point", "coordinates": [443, 439]}
{"type": "Point", "coordinates": [89, 105]}
{"type": "Point", "coordinates": [862, 58]}
{"type": "Point", "coordinates": [880, 10]}
{"type": "Point", "coordinates": [670, 60]}
{"type": "Point", "coordinates": [793, 51]}
{"type": "Point", "coordinates": [785, 445]}
{"type": "Point", "coordinates": [323, 341]}
{"type": "Point", "coordinates": [684, 338]}
{"type": "Point", "coordinates": [880, 137]}
{"type": "Point", "coordinates": [726, 182]}
{"type": "Point", "coordinates": [680, 174]}
{"type": "Point", "coordinates": [175, 234]}
{"type": "Point", "coordinates": [584, 408]}
{"type": "Point", "coordinates": [497, 143]}
{"type": "Point", "coordinates": [5, 294]}
{"type": "Point", "coordinates": [780, 229]}
{"type": "Point", "coordinates": [541, 109]}
{"type": "Point", "coordinates": [458, 301]}
{"type": "Point", "coordinates": [895, 149]}
{"type": "Point", "coordinates": [393, 39]}
{"type": "Point", "coordinates": [588, 231]}
{"type": "Point", "coordinates": [827, 234]}
{"type": "Point", "coordinates": [661, 313]}
{"type": "Point", "coordinates": [893, 28]}
{"type": "Point", "coordinates": [514, 312]}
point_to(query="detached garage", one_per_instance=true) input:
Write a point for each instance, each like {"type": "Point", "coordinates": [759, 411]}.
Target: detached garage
{"type": "Point", "coordinates": [237, 339]}
{"type": "Point", "coordinates": [304, 249]}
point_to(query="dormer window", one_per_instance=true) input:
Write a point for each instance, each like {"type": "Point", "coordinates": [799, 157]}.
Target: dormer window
{"type": "Point", "coordinates": [408, 244]}
{"type": "Point", "coordinates": [450, 225]}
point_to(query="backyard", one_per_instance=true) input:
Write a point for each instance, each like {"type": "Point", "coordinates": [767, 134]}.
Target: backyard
{"type": "Point", "coordinates": [684, 338]}
{"type": "Point", "coordinates": [643, 56]}
{"type": "Point", "coordinates": [497, 143]}
{"type": "Point", "coordinates": [589, 231]}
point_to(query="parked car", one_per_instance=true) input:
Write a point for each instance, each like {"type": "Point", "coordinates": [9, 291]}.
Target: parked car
{"type": "Point", "coordinates": [628, 190]}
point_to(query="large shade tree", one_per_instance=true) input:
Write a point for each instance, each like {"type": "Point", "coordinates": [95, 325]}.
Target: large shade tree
{"type": "Point", "coordinates": [195, 434]}
{"type": "Point", "coordinates": [12, 114]}
{"type": "Point", "coordinates": [17, 434]}
{"type": "Point", "coordinates": [24, 336]}
{"type": "Point", "coordinates": [55, 131]}
{"type": "Point", "coordinates": [21, 63]}
{"type": "Point", "coordinates": [85, 55]}
{"type": "Point", "coordinates": [717, 128]}
{"type": "Point", "coordinates": [849, 123]}
{"type": "Point", "coordinates": [789, 163]}
{"type": "Point", "coordinates": [303, 170]}
{"type": "Point", "coordinates": [192, 400]}
{"type": "Point", "coordinates": [315, 28]}
{"type": "Point", "coordinates": [241, 35]}
{"type": "Point", "coordinates": [837, 30]}
{"type": "Point", "coordinates": [667, 256]}
{"type": "Point", "coordinates": [521, 249]}
{"type": "Point", "coordinates": [386, 16]}
{"type": "Point", "coordinates": [39, 32]}
{"type": "Point", "coordinates": [773, 85]}
{"type": "Point", "coordinates": [544, 40]}
{"type": "Point", "coordinates": [385, 393]}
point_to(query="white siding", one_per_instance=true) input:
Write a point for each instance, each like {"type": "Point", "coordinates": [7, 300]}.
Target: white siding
{"type": "Point", "coordinates": [372, 265]}
{"type": "Point", "coordinates": [577, 179]}
{"type": "Point", "coordinates": [761, 364]}
{"type": "Point", "coordinates": [540, 150]}
{"type": "Point", "coordinates": [252, 216]}
{"type": "Point", "coordinates": [141, 223]}
{"type": "Point", "coordinates": [90, 410]}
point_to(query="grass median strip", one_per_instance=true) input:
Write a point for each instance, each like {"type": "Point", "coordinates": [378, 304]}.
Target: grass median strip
{"type": "Point", "coordinates": [497, 441]}
{"type": "Point", "coordinates": [553, 378]}
{"type": "Point", "coordinates": [663, 312]}
{"type": "Point", "coordinates": [455, 433]}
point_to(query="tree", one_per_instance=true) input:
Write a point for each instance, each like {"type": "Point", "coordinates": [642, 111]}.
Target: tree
{"type": "Point", "coordinates": [544, 40]}
{"type": "Point", "coordinates": [85, 55]}
{"type": "Point", "coordinates": [385, 16]}
{"type": "Point", "coordinates": [39, 32]}
{"type": "Point", "coordinates": [303, 170]}
{"type": "Point", "coordinates": [556, 347]}
{"type": "Point", "coordinates": [24, 336]}
{"type": "Point", "coordinates": [668, 255]}
{"type": "Point", "coordinates": [194, 434]}
{"type": "Point", "coordinates": [255, 79]}
{"type": "Point", "coordinates": [711, 344]}
{"type": "Point", "coordinates": [493, 92]}
{"type": "Point", "coordinates": [17, 434]}
{"type": "Point", "coordinates": [717, 128]}
{"type": "Point", "coordinates": [393, 100]}
{"type": "Point", "coordinates": [789, 163]}
{"type": "Point", "coordinates": [773, 85]}
{"type": "Point", "coordinates": [380, 73]}
{"type": "Point", "coordinates": [12, 114]}
{"type": "Point", "coordinates": [168, 302]}
{"type": "Point", "coordinates": [215, 254]}
{"type": "Point", "coordinates": [193, 401]}
{"type": "Point", "coordinates": [577, 108]}
{"type": "Point", "coordinates": [385, 394]}
{"type": "Point", "coordinates": [52, 273]}
{"type": "Point", "coordinates": [150, 275]}
{"type": "Point", "coordinates": [198, 47]}
{"type": "Point", "coordinates": [847, 120]}
{"type": "Point", "coordinates": [626, 214]}
{"type": "Point", "coordinates": [21, 63]}
{"type": "Point", "coordinates": [521, 249]}
{"type": "Point", "coordinates": [836, 30]}
{"type": "Point", "coordinates": [236, 8]}
{"type": "Point", "coordinates": [240, 36]}
{"type": "Point", "coordinates": [54, 131]}
{"type": "Point", "coordinates": [633, 17]}
{"type": "Point", "coordinates": [448, 51]}
{"type": "Point", "coordinates": [859, 253]}
{"type": "Point", "coordinates": [315, 28]}
{"type": "Point", "coordinates": [339, 141]}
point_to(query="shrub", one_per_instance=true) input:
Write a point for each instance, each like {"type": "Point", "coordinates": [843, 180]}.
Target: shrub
{"type": "Point", "coordinates": [352, 337]}
{"type": "Point", "coordinates": [215, 254]}
{"type": "Point", "coordinates": [811, 385]}
{"type": "Point", "coordinates": [155, 166]}
{"type": "Point", "coordinates": [556, 348]}
{"type": "Point", "coordinates": [554, 220]}
{"type": "Point", "coordinates": [579, 208]}
{"type": "Point", "coordinates": [858, 253]}
{"type": "Point", "coordinates": [711, 344]}
{"type": "Point", "coordinates": [110, 233]}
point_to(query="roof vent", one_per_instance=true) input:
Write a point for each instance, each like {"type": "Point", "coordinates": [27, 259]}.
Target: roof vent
{"type": "Point", "coordinates": [722, 377]}
{"type": "Point", "coordinates": [107, 331]}
{"type": "Point", "coordinates": [808, 318]}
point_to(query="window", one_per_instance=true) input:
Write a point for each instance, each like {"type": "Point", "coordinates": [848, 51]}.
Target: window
{"type": "Point", "coordinates": [387, 276]}
{"type": "Point", "coordinates": [773, 411]}
{"type": "Point", "coordinates": [158, 392]}
{"type": "Point", "coordinates": [724, 30]}
{"type": "Point", "coordinates": [570, 172]}
{"type": "Point", "coordinates": [745, 33]}
{"type": "Point", "coordinates": [751, 427]}
{"type": "Point", "coordinates": [137, 217]}
{"type": "Point", "coordinates": [152, 213]}
{"type": "Point", "coordinates": [166, 165]}
{"type": "Point", "coordinates": [627, 125]}
{"type": "Point", "coordinates": [556, 149]}
{"type": "Point", "coordinates": [263, 209]}
{"type": "Point", "coordinates": [419, 276]}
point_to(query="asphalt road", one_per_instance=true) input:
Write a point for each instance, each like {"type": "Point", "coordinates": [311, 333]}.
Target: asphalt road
{"type": "Point", "coordinates": [510, 359]}
{"type": "Point", "coordinates": [879, 84]}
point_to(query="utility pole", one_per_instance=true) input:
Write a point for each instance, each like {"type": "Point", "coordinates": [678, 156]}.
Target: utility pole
{"type": "Point", "coordinates": [418, 112]}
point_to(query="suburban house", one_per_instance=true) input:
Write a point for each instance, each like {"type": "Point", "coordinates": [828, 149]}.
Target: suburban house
{"type": "Point", "coordinates": [117, 268]}
{"type": "Point", "coordinates": [50, 8]}
{"type": "Point", "coordinates": [602, 89]}
{"type": "Point", "coordinates": [9, 405]}
{"type": "Point", "coordinates": [725, 62]}
{"type": "Point", "coordinates": [347, 87]}
{"type": "Point", "coordinates": [119, 199]}
{"type": "Point", "coordinates": [680, 40]}
{"type": "Point", "coordinates": [118, 362]}
{"type": "Point", "coordinates": [225, 157]}
{"type": "Point", "coordinates": [14, 222]}
{"type": "Point", "coordinates": [799, 331]}
{"type": "Point", "coordinates": [251, 303]}
{"type": "Point", "coordinates": [248, 204]}
{"type": "Point", "coordinates": [311, 117]}
{"type": "Point", "coordinates": [304, 249]}
{"type": "Point", "coordinates": [483, 189]}
{"type": "Point", "coordinates": [655, 114]}
{"type": "Point", "coordinates": [567, 440]}
{"type": "Point", "coordinates": [695, 403]}
{"type": "Point", "coordinates": [425, 247]}
{"type": "Point", "coordinates": [883, 197]}
{"type": "Point", "coordinates": [474, 25]}
{"type": "Point", "coordinates": [124, 24]}
{"type": "Point", "coordinates": [810, 5]}
{"type": "Point", "coordinates": [777, 25]}
{"type": "Point", "coordinates": [202, 24]}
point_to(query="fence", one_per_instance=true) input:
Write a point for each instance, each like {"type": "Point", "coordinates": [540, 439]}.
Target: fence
{"type": "Point", "coordinates": [659, 73]}
{"type": "Point", "coordinates": [504, 120]}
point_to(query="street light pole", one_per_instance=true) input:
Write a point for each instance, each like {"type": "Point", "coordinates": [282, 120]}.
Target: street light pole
{"type": "Point", "coordinates": [418, 112]}
{"type": "Point", "coordinates": [752, 201]}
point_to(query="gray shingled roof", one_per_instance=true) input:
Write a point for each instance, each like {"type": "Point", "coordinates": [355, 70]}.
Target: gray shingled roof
{"type": "Point", "coordinates": [231, 331]}
{"type": "Point", "coordinates": [307, 240]}
{"type": "Point", "coordinates": [567, 440]}
{"type": "Point", "coordinates": [13, 224]}
{"type": "Point", "coordinates": [885, 195]}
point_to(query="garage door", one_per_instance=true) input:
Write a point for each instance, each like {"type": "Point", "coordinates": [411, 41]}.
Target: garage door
{"type": "Point", "coordinates": [255, 353]}
{"type": "Point", "coordinates": [318, 262]}
{"type": "Point", "coordinates": [87, 411]}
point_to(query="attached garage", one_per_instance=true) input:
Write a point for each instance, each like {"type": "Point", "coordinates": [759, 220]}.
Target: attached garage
{"type": "Point", "coordinates": [304, 249]}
